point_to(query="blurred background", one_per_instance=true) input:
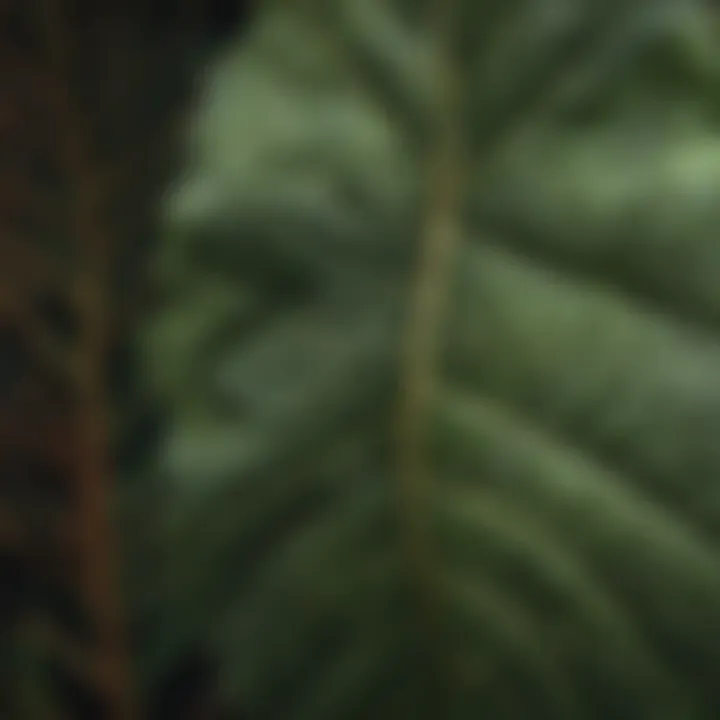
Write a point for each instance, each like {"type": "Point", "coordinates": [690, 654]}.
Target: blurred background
{"type": "Point", "coordinates": [359, 359]}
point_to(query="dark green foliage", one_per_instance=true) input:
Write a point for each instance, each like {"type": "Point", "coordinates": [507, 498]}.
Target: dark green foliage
{"type": "Point", "coordinates": [574, 512]}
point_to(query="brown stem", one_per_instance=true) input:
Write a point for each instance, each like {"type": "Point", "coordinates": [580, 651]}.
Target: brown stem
{"type": "Point", "coordinates": [94, 477]}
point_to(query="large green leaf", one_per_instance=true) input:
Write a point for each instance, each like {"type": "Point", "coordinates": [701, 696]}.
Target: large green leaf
{"type": "Point", "coordinates": [572, 521]}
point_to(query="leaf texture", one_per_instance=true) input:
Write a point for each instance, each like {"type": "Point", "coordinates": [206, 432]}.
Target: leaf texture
{"type": "Point", "coordinates": [574, 508]}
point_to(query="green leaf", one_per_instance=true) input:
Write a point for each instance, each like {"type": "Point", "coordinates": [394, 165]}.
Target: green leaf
{"type": "Point", "coordinates": [571, 526]}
